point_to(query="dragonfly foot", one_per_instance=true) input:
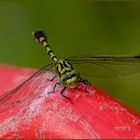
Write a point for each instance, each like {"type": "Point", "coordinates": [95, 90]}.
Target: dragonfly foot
{"type": "Point", "coordinates": [85, 82]}
{"type": "Point", "coordinates": [52, 79]}
{"type": "Point", "coordinates": [61, 93]}
{"type": "Point", "coordinates": [54, 87]}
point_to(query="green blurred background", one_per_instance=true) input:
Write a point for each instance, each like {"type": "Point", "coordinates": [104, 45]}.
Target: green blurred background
{"type": "Point", "coordinates": [74, 27]}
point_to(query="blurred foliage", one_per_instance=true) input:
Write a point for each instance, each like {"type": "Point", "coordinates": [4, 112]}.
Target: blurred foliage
{"type": "Point", "coordinates": [74, 27]}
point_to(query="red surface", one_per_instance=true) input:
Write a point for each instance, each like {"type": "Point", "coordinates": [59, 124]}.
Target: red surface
{"type": "Point", "coordinates": [33, 113]}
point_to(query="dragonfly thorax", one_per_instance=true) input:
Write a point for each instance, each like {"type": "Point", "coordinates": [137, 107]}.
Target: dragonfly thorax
{"type": "Point", "coordinates": [66, 74]}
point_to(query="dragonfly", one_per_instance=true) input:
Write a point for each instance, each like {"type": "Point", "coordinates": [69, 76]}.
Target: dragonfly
{"type": "Point", "coordinates": [69, 70]}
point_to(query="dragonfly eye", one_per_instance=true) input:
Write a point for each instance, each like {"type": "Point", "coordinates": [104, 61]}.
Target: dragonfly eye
{"type": "Point", "coordinates": [63, 78]}
{"type": "Point", "coordinates": [75, 73]}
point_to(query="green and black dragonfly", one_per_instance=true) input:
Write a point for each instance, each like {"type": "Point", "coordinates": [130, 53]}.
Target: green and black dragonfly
{"type": "Point", "coordinates": [69, 70]}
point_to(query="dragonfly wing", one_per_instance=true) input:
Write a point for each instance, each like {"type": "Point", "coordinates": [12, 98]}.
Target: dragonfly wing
{"type": "Point", "coordinates": [32, 85]}
{"type": "Point", "coordinates": [106, 66]}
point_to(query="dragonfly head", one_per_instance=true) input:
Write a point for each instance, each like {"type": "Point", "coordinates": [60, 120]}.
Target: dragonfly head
{"type": "Point", "coordinates": [70, 79]}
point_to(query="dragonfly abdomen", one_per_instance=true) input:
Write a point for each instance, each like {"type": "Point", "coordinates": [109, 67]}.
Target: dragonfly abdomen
{"type": "Point", "coordinates": [42, 39]}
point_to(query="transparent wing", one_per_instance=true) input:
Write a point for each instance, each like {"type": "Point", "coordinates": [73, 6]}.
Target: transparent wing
{"type": "Point", "coordinates": [106, 66]}
{"type": "Point", "coordinates": [33, 85]}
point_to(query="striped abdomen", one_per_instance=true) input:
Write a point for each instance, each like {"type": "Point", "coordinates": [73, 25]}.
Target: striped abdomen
{"type": "Point", "coordinates": [41, 38]}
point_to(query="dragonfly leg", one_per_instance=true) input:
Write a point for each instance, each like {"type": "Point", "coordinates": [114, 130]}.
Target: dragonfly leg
{"type": "Point", "coordinates": [85, 83]}
{"type": "Point", "coordinates": [54, 87]}
{"type": "Point", "coordinates": [52, 79]}
{"type": "Point", "coordinates": [61, 93]}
